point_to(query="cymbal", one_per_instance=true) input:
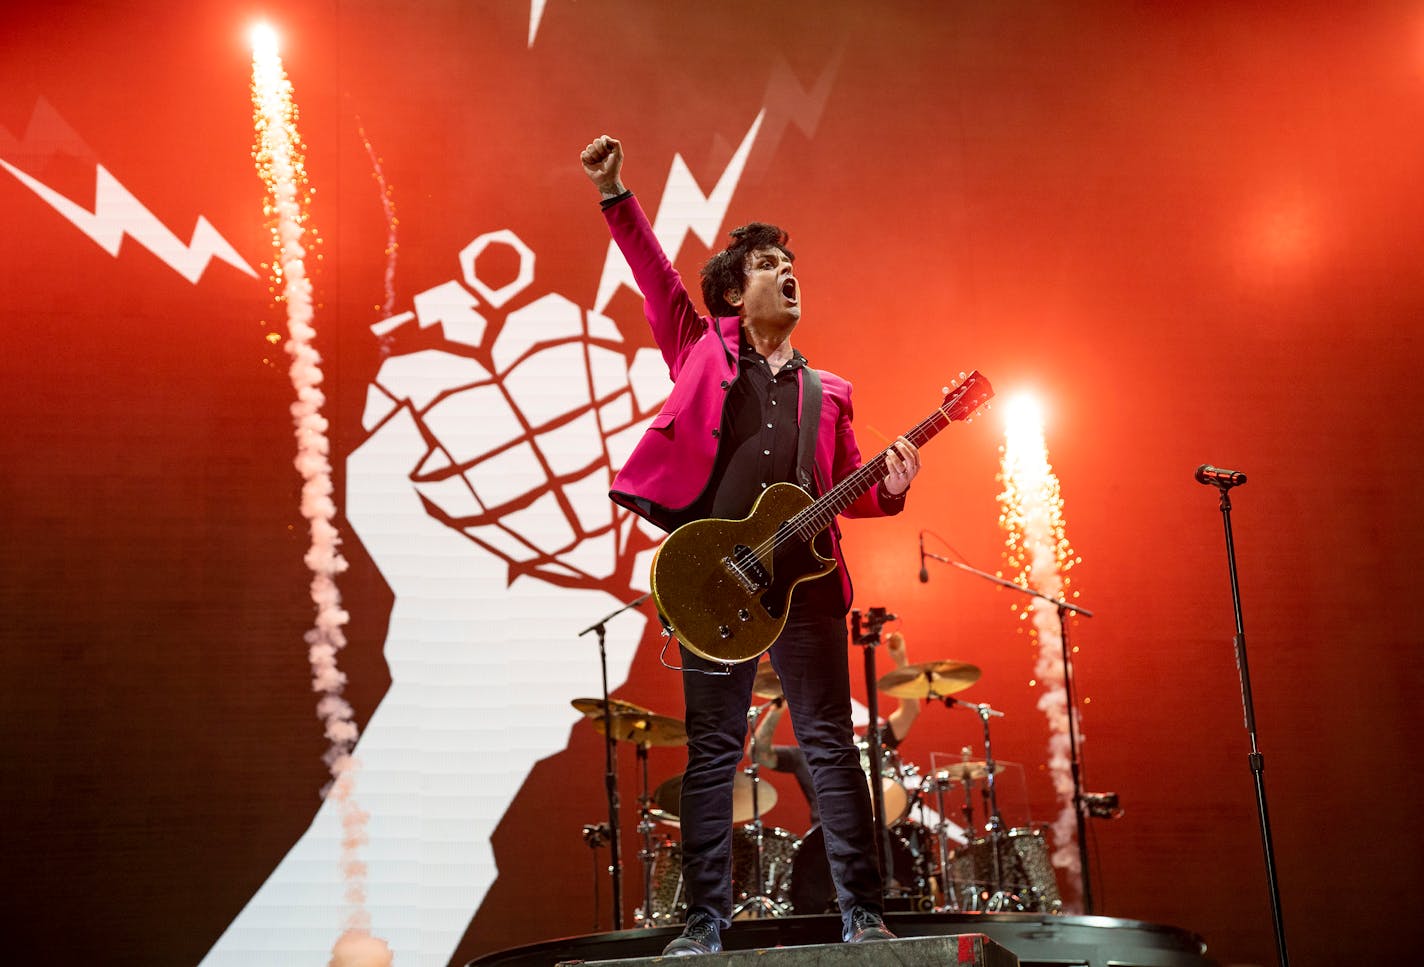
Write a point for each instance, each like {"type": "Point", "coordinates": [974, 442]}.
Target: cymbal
{"type": "Point", "coordinates": [767, 684]}
{"type": "Point", "coordinates": [667, 799]}
{"type": "Point", "coordinates": [593, 707]}
{"type": "Point", "coordinates": [644, 728]}
{"type": "Point", "coordinates": [929, 679]}
{"type": "Point", "coordinates": [965, 771]}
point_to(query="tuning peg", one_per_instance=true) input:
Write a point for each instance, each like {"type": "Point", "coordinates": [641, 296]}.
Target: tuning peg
{"type": "Point", "coordinates": [944, 389]}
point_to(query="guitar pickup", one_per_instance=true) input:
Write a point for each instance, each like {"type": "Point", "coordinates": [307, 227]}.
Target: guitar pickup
{"type": "Point", "coordinates": [747, 568]}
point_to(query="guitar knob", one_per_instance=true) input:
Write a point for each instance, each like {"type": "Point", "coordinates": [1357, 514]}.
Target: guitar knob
{"type": "Point", "coordinates": [744, 614]}
{"type": "Point", "coordinates": [724, 631]}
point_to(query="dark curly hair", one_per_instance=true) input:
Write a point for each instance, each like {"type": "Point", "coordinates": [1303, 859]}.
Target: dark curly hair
{"type": "Point", "coordinates": [728, 268]}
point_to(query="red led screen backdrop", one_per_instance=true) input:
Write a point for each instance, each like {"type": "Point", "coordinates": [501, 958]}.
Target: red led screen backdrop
{"type": "Point", "coordinates": [1192, 232]}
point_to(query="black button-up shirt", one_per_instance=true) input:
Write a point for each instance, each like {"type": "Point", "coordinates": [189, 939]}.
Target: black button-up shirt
{"type": "Point", "coordinates": [757, 442]}
{"type": "Point", "coordinates": [757, 446]}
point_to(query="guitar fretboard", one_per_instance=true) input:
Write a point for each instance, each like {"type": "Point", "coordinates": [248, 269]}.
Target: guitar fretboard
{"type": "Point", "coordinates": [815, 518]}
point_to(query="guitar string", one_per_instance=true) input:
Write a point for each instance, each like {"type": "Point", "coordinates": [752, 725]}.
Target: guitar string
{"type": "Point", "coordinates": [856, 481]}
{"type": "Point", "coordinates": [842, 493]}
{"type": "Point", "coordinates": [849, 489]}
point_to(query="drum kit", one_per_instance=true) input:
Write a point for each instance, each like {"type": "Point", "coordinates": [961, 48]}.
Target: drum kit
{"type": "Point", "coordinates": [776, 873]}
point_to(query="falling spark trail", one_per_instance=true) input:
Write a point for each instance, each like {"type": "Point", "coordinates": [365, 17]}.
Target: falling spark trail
{"type": "Point", "coordinates": [280, 161]}
{"type": "Point", "coordinates": [388, 208]}
{"type": "Point", "coordinates": [1031, 511]}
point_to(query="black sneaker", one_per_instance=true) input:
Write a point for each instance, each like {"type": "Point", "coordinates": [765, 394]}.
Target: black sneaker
{"type": "Point", "coordinates": [865, 925]}
{"type": "Point", "coordinates": [702, 935]}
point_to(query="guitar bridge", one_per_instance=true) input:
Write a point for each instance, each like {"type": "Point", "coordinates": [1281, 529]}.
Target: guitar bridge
{"type": "Point", "coordinates": [747, 568]}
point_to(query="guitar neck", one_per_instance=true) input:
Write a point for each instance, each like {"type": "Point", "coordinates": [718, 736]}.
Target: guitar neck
{"type": "Point", "coordinates": [824, 509]}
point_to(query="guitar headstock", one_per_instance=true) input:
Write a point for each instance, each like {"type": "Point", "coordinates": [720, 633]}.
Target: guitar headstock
{"type": "Point", "coordinates": [964, 396]}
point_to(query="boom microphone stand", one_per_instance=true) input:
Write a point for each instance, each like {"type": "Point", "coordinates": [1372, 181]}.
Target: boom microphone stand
{"type": "Point", "coordinates": [1224, 480]}
{"type": "Point", "coordinates": [610, 773]}
{"type": "Point", "coordinates": [1079, 805]}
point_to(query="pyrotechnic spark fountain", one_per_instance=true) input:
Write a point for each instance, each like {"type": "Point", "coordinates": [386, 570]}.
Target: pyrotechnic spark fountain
{"type": "Point", "coordinates": [281, 163]}
{"type": "Point", "coordinates": [1037, 550]}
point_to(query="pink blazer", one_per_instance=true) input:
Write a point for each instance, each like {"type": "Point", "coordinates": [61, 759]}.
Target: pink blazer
{"type": "Point", "coordinates": [670, 466]}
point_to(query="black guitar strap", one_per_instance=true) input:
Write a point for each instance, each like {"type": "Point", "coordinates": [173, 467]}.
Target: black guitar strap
{"type": "Point", "coordinates": [809, 429]}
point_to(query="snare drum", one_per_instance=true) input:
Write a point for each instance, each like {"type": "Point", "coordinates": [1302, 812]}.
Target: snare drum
{"type": "Point", "coordinates": [778, 852]}
{"type": "Point", "coordinates": [669, 898]}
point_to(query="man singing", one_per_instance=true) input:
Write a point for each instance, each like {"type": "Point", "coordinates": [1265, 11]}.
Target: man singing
{"type": "Point", "coordinates": [742, 403]}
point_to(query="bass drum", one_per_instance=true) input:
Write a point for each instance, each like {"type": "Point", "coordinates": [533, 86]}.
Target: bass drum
{"type": "Point", "coordinates": [812, 890]}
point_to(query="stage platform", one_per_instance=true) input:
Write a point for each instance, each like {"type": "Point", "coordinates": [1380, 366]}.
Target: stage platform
{"type": "Point", "coordinates": [1035, 939]}
{"type": "Point", "coordinates": [961, 950]}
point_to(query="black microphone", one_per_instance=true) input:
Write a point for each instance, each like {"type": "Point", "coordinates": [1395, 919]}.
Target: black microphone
{"type": "Point", "coordinates": [924, 571]}
{"type": "Point", "coordinates": [1217, 477]}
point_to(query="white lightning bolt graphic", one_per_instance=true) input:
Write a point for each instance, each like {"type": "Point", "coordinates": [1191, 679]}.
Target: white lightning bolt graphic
{"type": "Point", "coordinates": [118, 213]}
{"type": "Point", "coordinates": [536, 11]}
{"type": "Point", "coordinates": [684, 208]}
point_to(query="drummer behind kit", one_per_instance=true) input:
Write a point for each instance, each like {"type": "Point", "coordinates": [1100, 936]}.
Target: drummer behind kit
{"type": "Point", "coordinates": [776, 873]}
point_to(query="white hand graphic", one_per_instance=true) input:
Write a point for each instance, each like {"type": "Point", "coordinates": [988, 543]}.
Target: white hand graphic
{"type": "Point", "coordinates": [481, 494]}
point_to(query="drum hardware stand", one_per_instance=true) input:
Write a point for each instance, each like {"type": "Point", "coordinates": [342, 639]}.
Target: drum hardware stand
{"type": "Point", "coordinates": [1079, 810]}
{"type": "Point", "coordinates": [995, 822]}
{"type": "Point", "coordinates": [758, 904]}
{"type": "Point", "coordinates": [1224, 480]}
{"type": "Point", "coordinates": [951, 896]}
{"type": "Point", "coordinates": [875, 620]}
{"type": "Point", "coordinates": [941, 834]}
{"type": "Point", "coordinates": [610, 773]}
{"type": "Point", "coordinates": [594, 836]}
{"type": "Point", "coordinates": [645, 830]}
{"type": "Point", "coordinates": [921, 863]}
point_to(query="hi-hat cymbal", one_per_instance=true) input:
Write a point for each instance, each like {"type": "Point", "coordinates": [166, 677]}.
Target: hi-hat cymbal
{"type": "Point", "coordinates": [667, 799]}
{"type": "Point", "coordinates": [767, 684]}
{"type": "Point", "coordinates": [645, 728]}
{"type": "Point", "coordinates": [593, 707]}
{"type": "Point", "coordinates": [965, 771]}
{"type": "Point", "coordinates": [929, 679]}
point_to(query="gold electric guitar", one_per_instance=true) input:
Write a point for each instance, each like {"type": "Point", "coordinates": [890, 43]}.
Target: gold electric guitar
{"type": "Point", "coordinates": [723, 586]}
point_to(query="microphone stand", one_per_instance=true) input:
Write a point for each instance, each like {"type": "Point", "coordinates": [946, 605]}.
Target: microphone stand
{"type": "Point", "coordinates": [1256, 759]}
{"type": "Point", "coordinates": [869, 640]}
{"type": "Point", "coordinates": [1079, 809]}
{"type": "Point", "coordinates": [610, 774]}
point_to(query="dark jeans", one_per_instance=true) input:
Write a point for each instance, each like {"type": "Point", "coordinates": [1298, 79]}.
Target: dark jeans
{"type": "Point", "coordinates": [810, 656]}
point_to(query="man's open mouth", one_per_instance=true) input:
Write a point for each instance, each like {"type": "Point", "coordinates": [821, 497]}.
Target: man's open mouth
{"type": "Point", "coordinates": [788, 288]}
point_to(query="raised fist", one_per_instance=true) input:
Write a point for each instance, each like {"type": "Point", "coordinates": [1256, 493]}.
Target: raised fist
{"type": "Point", "coordinates": [603, 163]}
